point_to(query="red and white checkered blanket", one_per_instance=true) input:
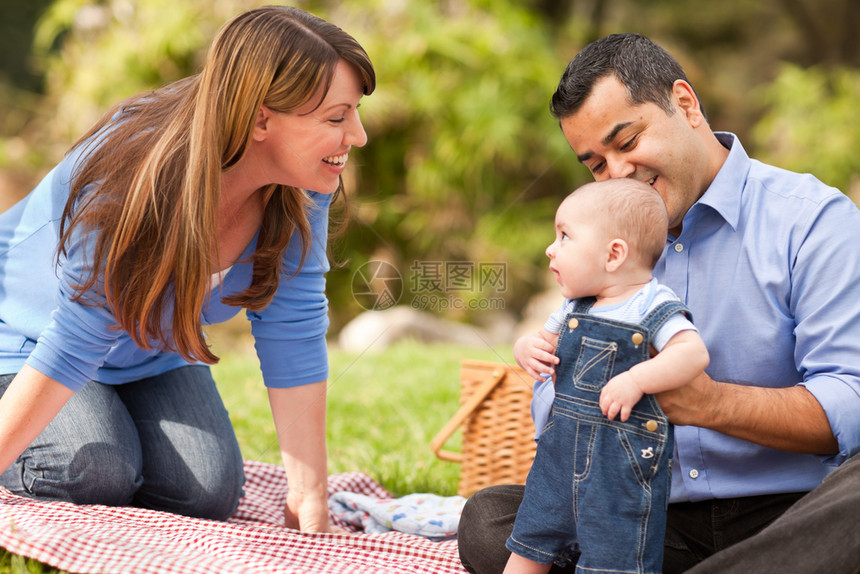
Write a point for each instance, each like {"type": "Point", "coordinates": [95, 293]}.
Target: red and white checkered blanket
{"type": "Point", "coordinates": [97, 538]}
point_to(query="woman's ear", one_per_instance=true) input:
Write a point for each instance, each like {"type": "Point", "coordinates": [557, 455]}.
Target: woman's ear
{"type": "Point", "coordinates": [261, 124]}
{"type": "Point", "coordinates": [616, 254]}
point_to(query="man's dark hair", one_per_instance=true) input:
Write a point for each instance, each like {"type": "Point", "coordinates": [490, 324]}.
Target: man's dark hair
{"type": "Point", "coordinates": [644, 68]}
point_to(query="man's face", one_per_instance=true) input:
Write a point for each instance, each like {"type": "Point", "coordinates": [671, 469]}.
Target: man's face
{"type": "Point", "coordinates": [615, 138]}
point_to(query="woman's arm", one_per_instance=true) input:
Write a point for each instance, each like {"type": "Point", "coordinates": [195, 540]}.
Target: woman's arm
{"type": "Point", "coordinates": [299, 414]}
{"type": "Point", "coordinates": [29, 404]}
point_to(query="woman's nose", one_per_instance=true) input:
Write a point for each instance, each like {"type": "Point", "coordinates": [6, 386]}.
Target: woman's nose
{"type": "Point", "coordinates": [355, 135]}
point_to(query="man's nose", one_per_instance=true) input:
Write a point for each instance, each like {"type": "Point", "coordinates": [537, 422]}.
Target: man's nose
{"type": "Point", "coordinates": [618, 167]}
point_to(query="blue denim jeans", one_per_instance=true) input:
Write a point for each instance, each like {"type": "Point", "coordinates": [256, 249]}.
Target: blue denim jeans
{"type": "Point", "coordinates": [165, 443]}
{"type": "Point", "coordinates": [598, 488]}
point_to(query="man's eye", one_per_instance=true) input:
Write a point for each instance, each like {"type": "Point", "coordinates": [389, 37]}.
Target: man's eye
{"type": "Point", "coordinates": [629, 144]}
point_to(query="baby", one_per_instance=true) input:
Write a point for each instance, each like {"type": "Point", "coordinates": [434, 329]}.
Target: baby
{"type": "Point", "coordinates": [598, 489]}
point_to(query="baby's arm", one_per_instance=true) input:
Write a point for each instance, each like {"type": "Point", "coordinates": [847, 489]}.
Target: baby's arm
{"type": "Point", "coordinates": [682, 359]}
{"type": "Point", "coordinates": [535, 353]}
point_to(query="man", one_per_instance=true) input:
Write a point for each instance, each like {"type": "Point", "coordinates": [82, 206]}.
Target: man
{"type": "Point", "coordinates": [768, 261]}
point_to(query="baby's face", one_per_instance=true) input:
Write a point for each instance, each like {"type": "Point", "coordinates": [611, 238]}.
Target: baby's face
{"type": "Point", "coordinates": [577, 257]}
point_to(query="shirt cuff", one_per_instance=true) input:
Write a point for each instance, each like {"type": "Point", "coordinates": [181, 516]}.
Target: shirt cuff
{"type": "Point", "coordinates": [841, 403]}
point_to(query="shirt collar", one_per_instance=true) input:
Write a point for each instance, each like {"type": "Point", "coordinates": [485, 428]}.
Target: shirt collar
{"type": "Point", "coordinates": [724, 193]}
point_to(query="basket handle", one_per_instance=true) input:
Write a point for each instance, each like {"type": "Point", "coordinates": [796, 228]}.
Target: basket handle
{"type": "Point", "coordinates": [464, 411]}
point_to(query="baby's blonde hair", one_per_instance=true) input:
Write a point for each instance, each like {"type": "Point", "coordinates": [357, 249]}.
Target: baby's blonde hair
{"type": "Point", "coordinates": [631, 210]}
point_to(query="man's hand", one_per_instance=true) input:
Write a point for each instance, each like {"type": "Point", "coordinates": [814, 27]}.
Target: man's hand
{"type": "Point", "coordinates": [696, 403]}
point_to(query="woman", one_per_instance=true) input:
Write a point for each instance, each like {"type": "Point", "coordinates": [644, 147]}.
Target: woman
{"type": "Point", "coordinates": [176, 210]}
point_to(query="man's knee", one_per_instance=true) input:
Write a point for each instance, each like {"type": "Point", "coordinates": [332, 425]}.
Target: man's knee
{"type": "Point", "coordinates": [485, 524]}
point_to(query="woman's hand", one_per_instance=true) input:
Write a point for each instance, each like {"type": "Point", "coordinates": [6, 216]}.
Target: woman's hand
{"type": "Point", "coordinates": [309, 514]}
{"type": "Point", "coordinates": [299, 415]}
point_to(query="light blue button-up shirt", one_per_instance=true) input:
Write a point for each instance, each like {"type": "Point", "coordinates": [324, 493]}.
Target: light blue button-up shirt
{"type": "Point", "coordinates": [768, 261]}
{"type": "Point", "coordinates": [73, 343]}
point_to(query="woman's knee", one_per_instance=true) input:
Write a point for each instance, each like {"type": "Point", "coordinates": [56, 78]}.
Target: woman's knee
{"type": "Point", "coordinates": [210, 491]}
{"type": "Point", "coordinates": [218, 497]}
{"type": "Point", "coordinates": [96, 473]}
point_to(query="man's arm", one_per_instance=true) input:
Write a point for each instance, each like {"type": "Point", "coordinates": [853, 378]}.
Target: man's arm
{"type": "Point", "coordinates": [789, 419]}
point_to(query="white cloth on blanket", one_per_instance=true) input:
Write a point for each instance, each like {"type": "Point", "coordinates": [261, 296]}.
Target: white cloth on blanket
{"type": "Point", "coordinates": [430, 515]}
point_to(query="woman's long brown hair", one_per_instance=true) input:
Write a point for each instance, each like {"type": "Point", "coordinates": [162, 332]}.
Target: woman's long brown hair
{"type": "Point", "coordinates": [150, 181]}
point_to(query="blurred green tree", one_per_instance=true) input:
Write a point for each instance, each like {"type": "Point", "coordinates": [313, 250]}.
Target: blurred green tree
{"type": "Point", "coordinates": [812, 123]}
{"type": "Point", "coordinates": [464, 161]}
{"type": "Point", "coordinates": [464, 157]}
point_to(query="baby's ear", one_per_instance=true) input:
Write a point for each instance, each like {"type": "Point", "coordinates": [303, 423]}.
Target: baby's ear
{"type": "Point", "coordinates": [616, 254]}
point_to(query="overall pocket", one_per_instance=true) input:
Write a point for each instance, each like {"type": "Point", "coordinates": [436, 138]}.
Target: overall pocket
{"type": "Point", "coordinates": [594, 364]}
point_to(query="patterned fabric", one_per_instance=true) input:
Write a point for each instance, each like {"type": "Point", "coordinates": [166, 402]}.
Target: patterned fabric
{"type": "Point", "coordinates": [430, 515]}
{"type": "Point", "coordinates": [120, 539]}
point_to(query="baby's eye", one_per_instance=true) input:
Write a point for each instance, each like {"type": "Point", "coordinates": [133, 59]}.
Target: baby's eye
{"type": "Point", "coordinates": [564, 236]}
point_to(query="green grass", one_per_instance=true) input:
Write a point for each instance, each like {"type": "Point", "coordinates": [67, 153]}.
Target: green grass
{"type": "Point", "coordinates": [384, 408]}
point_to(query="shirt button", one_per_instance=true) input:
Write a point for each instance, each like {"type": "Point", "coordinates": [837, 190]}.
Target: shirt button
{"type": "Point", "coordinates": [573, 323]}
{"type": "Point", "coordinates": [679, 247]}
{"type": "Point", "coordinates": [694, 473]}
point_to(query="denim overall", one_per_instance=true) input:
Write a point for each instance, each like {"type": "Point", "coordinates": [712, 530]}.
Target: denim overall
{"type": "Point", "coordinates": [599, 488]}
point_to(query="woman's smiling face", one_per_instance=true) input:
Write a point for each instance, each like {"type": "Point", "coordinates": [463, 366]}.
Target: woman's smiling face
{"type": "Point", "coordinates": [308, 148]}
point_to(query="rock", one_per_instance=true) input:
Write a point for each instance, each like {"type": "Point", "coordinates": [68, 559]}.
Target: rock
{"type": "Point", "coordinates": [379, 329]}
{"type": "Point", "coordinates": [538, 309]}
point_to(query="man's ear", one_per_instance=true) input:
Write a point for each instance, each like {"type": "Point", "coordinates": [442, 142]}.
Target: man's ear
{"type": "Point", "coordinates": [685, 98]}
{"type": "Point", "coordinates": [616, 254]}
{"type": "Point", "coordinates": [261, 124]}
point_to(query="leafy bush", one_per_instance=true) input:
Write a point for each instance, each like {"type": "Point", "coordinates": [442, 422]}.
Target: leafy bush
{"type": "Point", "coordinates": [808, 125]}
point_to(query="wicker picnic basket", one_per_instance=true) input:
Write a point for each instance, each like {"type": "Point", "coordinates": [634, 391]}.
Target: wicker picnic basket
{"type": "Point", "coordinates": [498, 433]}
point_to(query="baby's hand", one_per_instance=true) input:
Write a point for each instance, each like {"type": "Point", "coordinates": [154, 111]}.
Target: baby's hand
{"type": "Point", "coordinates": [535, 355]}
{"type": "Point", "coordinates": [619, 395]}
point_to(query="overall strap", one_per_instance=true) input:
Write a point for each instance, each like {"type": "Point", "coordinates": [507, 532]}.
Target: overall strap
{"type": "Point", "coordinates": [583, 305]}
{"type": "Point", "coordinates": [658, 316]}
